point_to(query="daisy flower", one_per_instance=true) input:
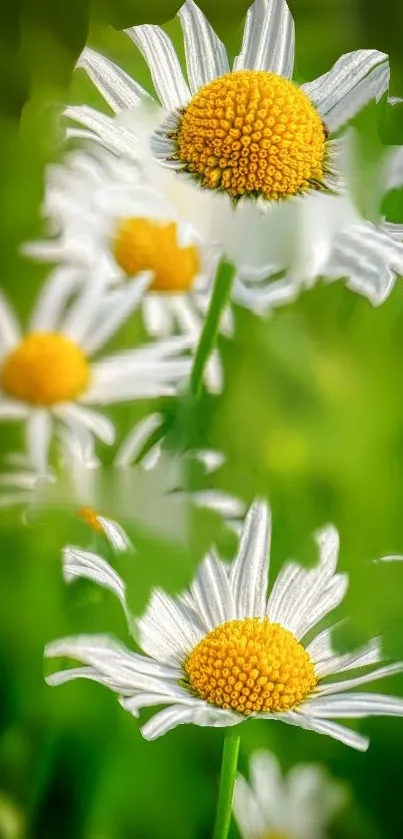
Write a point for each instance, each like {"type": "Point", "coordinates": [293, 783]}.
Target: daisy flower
{"type": "Point", "coordinates": [49, 376]}
{"type": "Point", "coordinates": [231, 146]}
{"type": "Point", "coordinates": [296, 807]}
{"type": "Point", "coordinates": [224, 652]}
{"type": "Point", "coordinates": [102, 219]}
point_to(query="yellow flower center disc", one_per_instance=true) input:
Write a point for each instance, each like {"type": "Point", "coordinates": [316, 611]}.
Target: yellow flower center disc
{"type": "Point", "coordinates": [145, 245]}
{"type": "Point", "coordinates": [253, 132]}
{"type": "Point", "coordinates": [44, 369]}
{"type": "Point", "coordinates": [251, 665]}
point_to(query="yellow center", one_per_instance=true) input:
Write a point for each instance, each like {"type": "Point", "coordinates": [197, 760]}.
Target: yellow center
{"type": "Point", "coordinates": [45, 368]}
{"type": "Point", "coordinates": [90, 517]}
{"type": "Point", "coordinates": [145, 245]}
{"type": "Point", "coordinates": [251, 665]}
{"type": "Point", "coordinates": [253, 132]}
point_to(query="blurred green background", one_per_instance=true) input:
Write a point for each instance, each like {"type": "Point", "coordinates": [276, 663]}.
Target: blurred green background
{"type": "Point", "coordinates": [312, 417]}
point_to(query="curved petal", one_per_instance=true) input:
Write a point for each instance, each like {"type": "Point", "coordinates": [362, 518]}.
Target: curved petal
{"type": "Point", "coordinates": [116, 536]}
{"type": "Point", "coordinates": [310, 723]}
{"type": "Point", "coordinates": [122, 302]}
{"type": "Point", "coordinates": [74, 415]}
{"type": "Point", "coordinates": [166, 73]}
{"type": "Point", "coordinates": [268, 41]}
{"type": "Point", "coordinates": [206, 58]}
{"type": "Point", "coordinates": [328, 663]}
{"type": "Point", "coordinates": [212, 594]}
{"type": "Point", "coordinates": [249, 570]}
{"type": "Point", "coordinates": [346, 684]}
{"type": "Point", "coordinates": [198, 713]}
{"type": "Point", "coordinates": [171, 693]}
{"type": "Point", "coordinates": [126, 671]}
{"type": "Point", "coordinates": [78, 563]}
{"type": "Point", "coordinates": [354, 80]}
{"type": "Point", "coordinates": [269, 788]}
{"type": "Point", "coordinates": [119, 90]}
{"type": "Point", "coordinates": [104, 129]}
{"type": "Point", "coordinates": [369, 258]}
{"type": "Point", "coordinates": [354, 706]}
{"type": "Point", "coordinates": [136, 439]}
{"type": "Point", "coordinates": [53, 299]}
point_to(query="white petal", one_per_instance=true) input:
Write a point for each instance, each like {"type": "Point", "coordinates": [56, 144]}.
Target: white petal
{"type": "Point", "coordinates": [221, 502]}
{"type": "Point", "coordinates": [206, 58]}
{"type": "Point", "coordinates": [136, 439]}
{"type": "Point", "coordinates": [168, 630]}
{"type": "Point", "coordinates": [75, 415]}
{"type": "Point", "coordinates": [300, 597]}
{"type": "Point", "coordinates": [80, 316]}
{"type": "Point", "coordinates": [394, 170]}
{"type": "Point", "coordinates": [346, 684]}
{"type": "Point", "coordinates": [268, 42]}
{"type": "Point", "coordinates": [249, 570]}
{"type": "Point", "coordinates": [53, 299]}
{"type": "Point", "coordinates": [248, 814]}
{"type": "Point", "coordinates": [354, 706]}
{"type": "Point", "coordinates": [125, 671]}
{"type": "Point", "coordinates": [198, 713]}
{"type": "Point", "coordinates": [122, 303]}
{"type": "Point", "coordinates": [157, 316]}
{"type": "Point", "coordinates": [78, 563]}
{"type": "Point", "coordinates": [339, 732]}
{"type": "Point", "coordinates": [38, 433]}
{"type": "Point", "coordinates": [269, 788]}
{"type": "Point", "coordinates": [356, 78]}
{"type": "Point", "coordinates": [212, 594]}
{"type": "Point", "coordinates": [109, 133]}
{"type": "Point", "coordinates": [10, 409]}
{"type": "Point", "coordinates": [10, 333]}
{"type": "Point", "coordinates": [166, 73]}
{"type": "Point", "coordinates": [188, 319]}
{"type": "Point", "coordinates": [169, 694]}
{"type": "Point", "coordinates": [115, 534]}
{"type": "Point", "coordinates": [118, 89]}
{"type": "Point", "coordinates": [331, 663]}
{"type": "Point", "coordinates": [369, 258]}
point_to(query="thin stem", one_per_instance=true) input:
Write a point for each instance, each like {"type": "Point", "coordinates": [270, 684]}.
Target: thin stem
{"type": "Point", "coordinates": [227, 781]}
{"type": "Point", "coordinates": [219, 299]}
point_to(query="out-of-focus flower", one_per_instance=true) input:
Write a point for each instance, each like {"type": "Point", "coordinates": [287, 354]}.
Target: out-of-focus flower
{"type": "Point", "coordinates": [154, 493]}
{"type": "Point", "coordinates": [117, 226]}
{"type": "Point", "coordinates": [49, 376]}
{"type": "Point", "coordinates": [299, 806]}
{"type": "Point", "coordinates": [221, 652]}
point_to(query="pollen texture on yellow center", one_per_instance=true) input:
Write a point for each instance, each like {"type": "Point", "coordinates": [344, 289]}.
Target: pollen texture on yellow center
{"type": "Point", "coordinates": [90, 517]}
{"type": "Point", "coordinates": [44, 369]}
{"type": "Point", "coordinates": [251, 665]}
{"type": "Point", "coordinates": [253, 132]}
{"type": "Point", "coordinates": [145, 245]}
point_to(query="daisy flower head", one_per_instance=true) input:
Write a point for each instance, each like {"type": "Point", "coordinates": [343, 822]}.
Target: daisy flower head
{"type": "Point", "coordinates": [105, 218]}
{"type": "Point", "coordinates": [224, 651]}
{"type": "Point", "coordinates": [298, 806]}
{"type": "Point", "coordinates": [240, 150]}
{"type": "Point", "coordinates": [50, 376]}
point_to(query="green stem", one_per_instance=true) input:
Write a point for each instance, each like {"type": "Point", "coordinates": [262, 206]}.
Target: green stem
{"type": "Point", "coordinates": [219, 299]}
{"type": "Point", "coordinates": [227, 781]}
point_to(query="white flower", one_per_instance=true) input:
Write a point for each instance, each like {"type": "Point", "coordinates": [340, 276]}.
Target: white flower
{"type": "Point", "coordinates": [222, 651]}
{"type": "Point", "coordinates": [105, 220]}
{"type": "Point", "coordinates": [154, 492]}
{"type": "Point", "coordinates": [48, 376]}
{"type": "Point", "coordinates": [296, 807]}
{"type": "Point", "coordinates": [220, 147]}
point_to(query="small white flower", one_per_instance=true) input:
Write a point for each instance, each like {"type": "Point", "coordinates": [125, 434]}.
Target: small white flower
{"type": "Point", "coordinates": [222, 652]}
{"type": "Point", "coordinates": [296, 807]}
{"type": "Point", "coordinates": [49, 376]}
{"type": "Point", "coordinates": [105, 222]}
{"type": "Point", "coordinates": [219, 148]}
